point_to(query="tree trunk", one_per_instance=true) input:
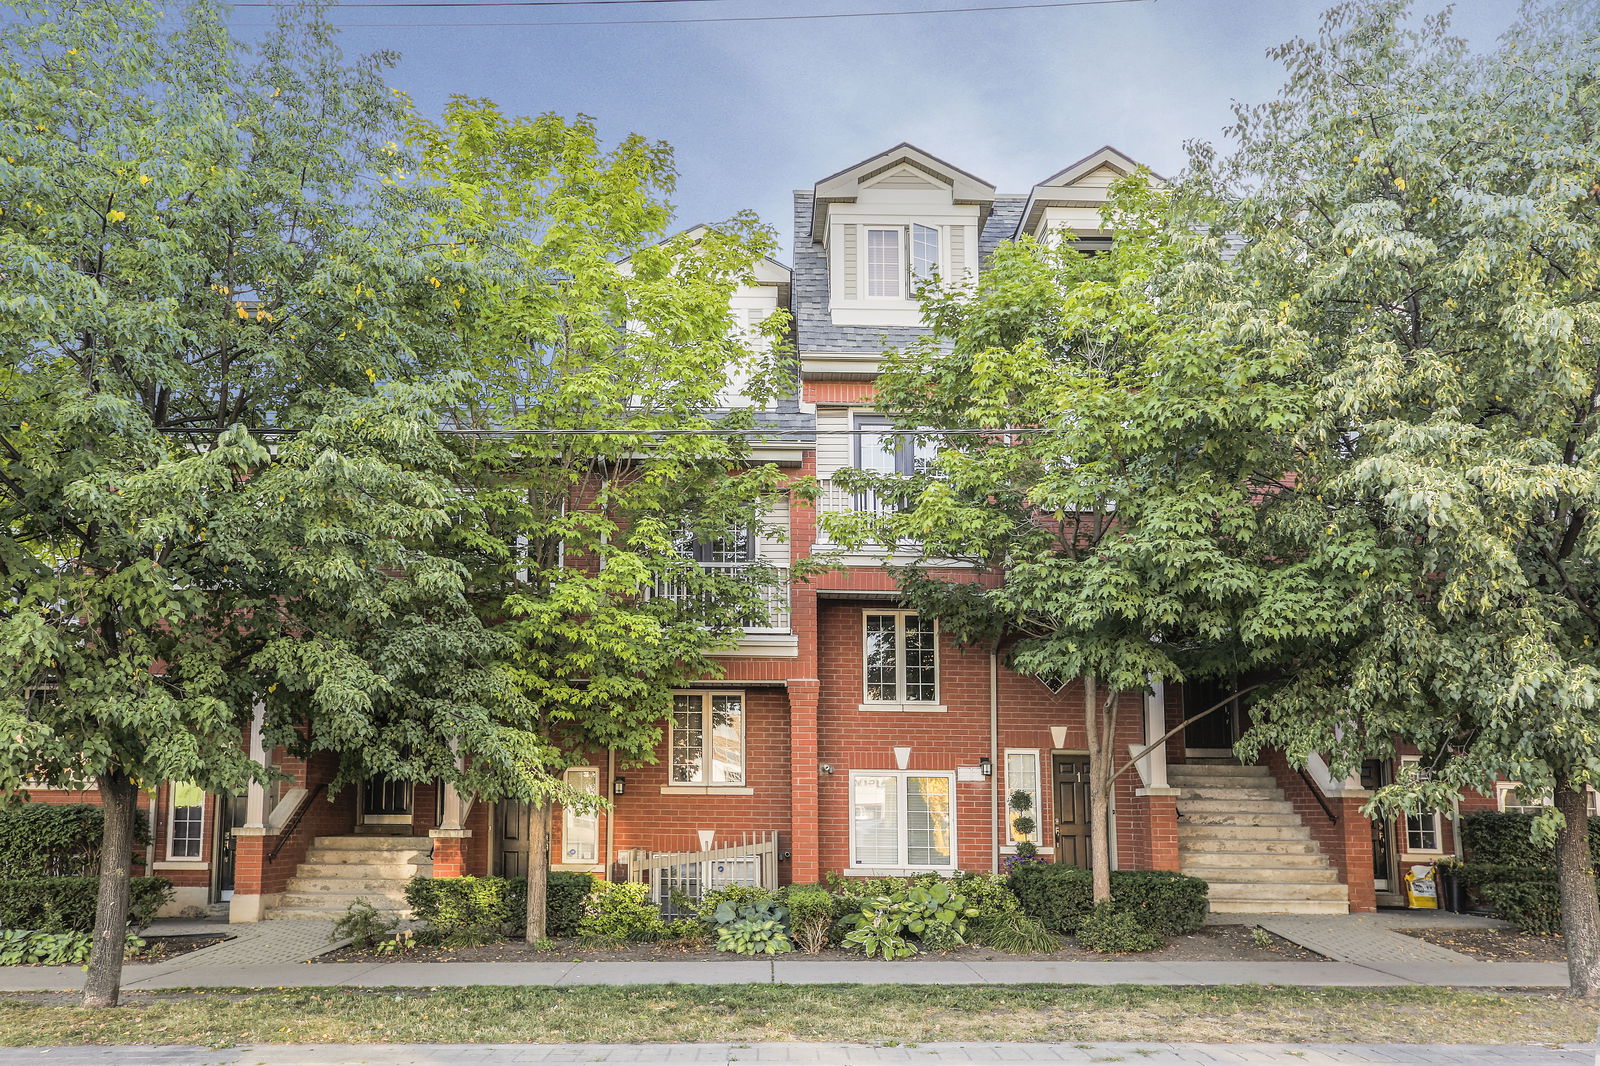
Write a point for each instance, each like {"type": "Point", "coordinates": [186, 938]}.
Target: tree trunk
{"type": "Point", "coordinates": [119, 799]}
{"type": "Point", "coordinates": [1100, 726]}
{"type": "Point", "coordinates": [538, 867]}
{"type": "Point", "coordinates": [1580, 911]}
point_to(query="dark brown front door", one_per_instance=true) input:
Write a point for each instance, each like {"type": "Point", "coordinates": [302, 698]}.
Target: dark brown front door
{"type": "Point", "coordinates": [511, 827]}
{"type": "Point", "coordinates": [1374, 775]}
{"type": "Point", "coordinates": [1072, 809]}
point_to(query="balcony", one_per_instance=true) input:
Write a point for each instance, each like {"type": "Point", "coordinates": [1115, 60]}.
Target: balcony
{"type": "Point", "coordinates": [773, 617]}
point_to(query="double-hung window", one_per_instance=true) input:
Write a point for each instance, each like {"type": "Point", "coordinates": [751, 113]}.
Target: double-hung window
{"type": "Point", "coordinates": [580, 829]}
{"type": "Point", "coordinates": [899, 258]}
{"type": "Point", "coordinates": [1422, 828]}
{"type": "Point", "coordinates": [901, 663]}
{"type": "Point", "coordinates": [187, 812]}
{"type": "Point", "coordinates": [882, 449]}
{"type": "Point", "coordinates": [1022, 775]}
{"type": "Point", "coordinates": [902, 820]}
{"type": "Point", "coordinates": [706, 738]}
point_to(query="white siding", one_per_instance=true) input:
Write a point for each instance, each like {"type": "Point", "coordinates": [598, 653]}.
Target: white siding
{"type": "Point", "coordinates": [775, 552]}
{"type": "Point", "coordinates": [835, 447]}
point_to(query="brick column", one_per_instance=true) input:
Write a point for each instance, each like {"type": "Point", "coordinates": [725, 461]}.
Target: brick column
{"type": "Point", "coordinates": [1161, 827]}
{"type": "Point", "coordinates": [1355, 833]}
{"type": "Point", "coordinates": [250, 897]}
{"type": "Point", "coordinates": [449, 851]}
{"type": "Point", "coordinates": [805, 847]}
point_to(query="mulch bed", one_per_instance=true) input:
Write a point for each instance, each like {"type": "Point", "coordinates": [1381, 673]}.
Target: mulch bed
{"type": "Point", "coordinates": [1214, 943]}
{"type": "Point", "coordinates": [1496, 945]}
{"type": "Point", "coordinates": [168, 947]}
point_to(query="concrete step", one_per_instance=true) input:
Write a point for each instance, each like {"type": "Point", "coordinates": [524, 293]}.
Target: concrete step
{"type": "Point", "coordinates": [1189, 793]}
{"type": "Point", "coordinates": [340, 901]}
{"type": "Point", "coordinates": [1305, 890]}
{"type": "Point", "coordinates": [372, 843]}
{"type": "Point", "coordinates": [1233, 806]}
{"type": "Point", "coordinates": [1255, 858]}
{"type": "Point", "coordinates": [1190, 840]}
{"type": "Point", "coordinates": [1195, 831]}
{"type": "Point", "coordinates": [1214, 771]}
{"type": "Point", "coordinates": [1264, 874]}
{"type": "Point", "coordinates": [1279, 906]}
{"type": "Point", "coordinates": [394, 871]}
{"type": "Point", "coordinates": [1215, 818]}
{"type": "Point", "coordinates": [346, 886]}
{"type": "Point", "coordinates": [327, 914]}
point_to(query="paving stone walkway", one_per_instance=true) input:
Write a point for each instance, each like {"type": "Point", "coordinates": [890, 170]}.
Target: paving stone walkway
{"type": "Point", "coordinates": [251, 944]}
{"type": "Point", "coordinates": [1370, 939]}
{"type": "Point", "coordinates": [798, 1054]}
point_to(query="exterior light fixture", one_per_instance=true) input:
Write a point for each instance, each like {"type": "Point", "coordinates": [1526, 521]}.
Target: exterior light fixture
{"type": "Point", "coordinates": [986, 767]}
{"type": "Point", "coordinates": [619, 785]}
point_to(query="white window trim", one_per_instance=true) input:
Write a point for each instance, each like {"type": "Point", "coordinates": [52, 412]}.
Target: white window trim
{"type": "Point", "coordinates": [567, 816]}
{"type": "Point", "coordinates": [1038, 801]}
{"type": "Point", "coordinates": [934, 706]}
{"type": "Point", "coordinates": [1505, 792]}
{"type": "Point", "coordinates": [853, 870]}
{"type": "Point", "coordinates": [172, 825]}
{"type": "Point", "coordinates": [903, 262]}
{"type": "Point", "coordinates": [1405, 822]}
{"type": "Point", "coordinates": [702, 785]}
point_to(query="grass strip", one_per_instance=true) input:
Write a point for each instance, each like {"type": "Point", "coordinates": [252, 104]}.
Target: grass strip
{"type": "Point", "coordinates": [879, 1014]}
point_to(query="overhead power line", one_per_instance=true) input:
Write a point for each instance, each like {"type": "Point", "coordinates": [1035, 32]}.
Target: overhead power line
{"type": "Point", "coordinates": [482, 3]}
{"type": "Point", "coordinates": [710, 431]}
{"type": "Point", "coordinates": [1050, 4]}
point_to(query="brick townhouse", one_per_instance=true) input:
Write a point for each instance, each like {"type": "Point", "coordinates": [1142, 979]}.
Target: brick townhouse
{"type": "Point", "coordinates": [848, 736]}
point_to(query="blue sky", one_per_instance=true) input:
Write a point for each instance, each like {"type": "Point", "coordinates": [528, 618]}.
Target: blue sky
{"type": "Point", "coordinates": [756, 110]}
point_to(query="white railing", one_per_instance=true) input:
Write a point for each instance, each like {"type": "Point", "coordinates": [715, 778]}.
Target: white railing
{"type": "Point", "coordinates": [774, 596]}
{"type": "Point", "coordinates": [673, 876]}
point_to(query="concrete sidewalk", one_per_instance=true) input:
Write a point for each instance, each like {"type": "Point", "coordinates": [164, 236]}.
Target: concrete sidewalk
{"type": "Point", "coordinates": [799, 1054]}
{"type": "Point", "coordinates": [148, 977]}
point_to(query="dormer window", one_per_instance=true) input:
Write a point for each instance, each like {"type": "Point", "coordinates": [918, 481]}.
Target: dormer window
{"type": "Point", "coordinates": [889, 274]}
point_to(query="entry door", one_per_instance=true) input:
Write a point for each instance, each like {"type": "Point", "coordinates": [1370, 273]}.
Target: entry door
{"type": "Point", "coordinates": [1216, 730]}
{"type": "Point", "coordinates": [386, 801]}
{"type": "Point", "coordinates": [511, 839]}
{"type": "Point", "coordinates": [230, 812]}
{"type": "Point", "coordinates": [1374, 775]}
{"type": "Point", "coordinates": [1072, 810]}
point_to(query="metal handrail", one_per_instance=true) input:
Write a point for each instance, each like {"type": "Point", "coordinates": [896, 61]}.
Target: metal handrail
{"type": "Point", "coordinates": [294, 821]}
{"type": "Point", "coordinates": [1316, 794]}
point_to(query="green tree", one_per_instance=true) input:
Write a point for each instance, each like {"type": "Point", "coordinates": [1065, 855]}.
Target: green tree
{"type": "Point", "coordinates": [597, 452]}
{"type": "Point", "coordinates": [195, 245]}
{"type": "Point", "coordinates": [1426, 220]}
{"type": "Point", "coordinates": [1111, 518]}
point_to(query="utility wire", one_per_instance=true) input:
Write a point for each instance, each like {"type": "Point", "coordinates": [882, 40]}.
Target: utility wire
{"type": "Point", "coordinates": [479, 3]}
{"type": "Point", "coordinates": [715, 431]}
{"type": "Point", "coordinates": [732, 18]}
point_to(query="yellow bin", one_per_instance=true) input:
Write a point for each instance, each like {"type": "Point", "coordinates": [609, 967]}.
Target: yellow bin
{"type": "Point", "coordinates": [1422, 889]}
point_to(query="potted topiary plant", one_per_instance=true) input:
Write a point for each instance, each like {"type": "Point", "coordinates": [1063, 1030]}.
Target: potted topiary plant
{"type": "Point", "coordinates": [1023, 826]}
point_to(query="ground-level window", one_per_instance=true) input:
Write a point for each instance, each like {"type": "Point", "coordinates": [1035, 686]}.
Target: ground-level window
{"type": "Point", "coordinates": [902, 820]}
{"type": "Point", "coordinates": [706, 738]}
{"type": "Point", "coordinates": [580, 830]}
{"type": "Point", "coordinates": [1422, 827]}
{"type": "Point", "coordinates": [187, 820]}
{"type": "Point", "coordinates": [1022, 775]}
{"type": "Point", "coordinates": [901, 663]}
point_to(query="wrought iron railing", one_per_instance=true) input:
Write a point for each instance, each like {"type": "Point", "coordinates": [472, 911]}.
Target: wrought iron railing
{"type": "Point", "coordinates": [771, 615]}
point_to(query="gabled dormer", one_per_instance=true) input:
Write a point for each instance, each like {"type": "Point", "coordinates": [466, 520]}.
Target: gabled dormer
{"type": "Point", "coordinates": [890, 222]}
{"type": "Point", "coordinates": [1069, 201]}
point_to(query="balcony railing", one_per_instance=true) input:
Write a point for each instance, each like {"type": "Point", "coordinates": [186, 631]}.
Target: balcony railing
{"type": "Point", "coordinates": [833, 498]}
{"type": "Point", "coordinates": [773, 614]}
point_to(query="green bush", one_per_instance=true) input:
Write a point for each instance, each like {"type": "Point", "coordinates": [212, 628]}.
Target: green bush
{"type": "Point", "coordinates": [737, 895]}
{"type": "Point", "coordinates": [1110, 930]}
{"type": "Point", "coordinates": [1500, 838]}
{"type": "Point", "coordinates": [66, 904]}
{"type": "Point", "coordinates": [618, 911]}
{"type": "Point", "coordinates": [1531, 906]}
{"type": "Point", "coordinates": [57, 839]}
{"type": "Point", "coordinates": [364, 925]}
{"type": "Point", "coordinates": [811, 916]}
{"type": "Point", "coordinates": [478, 910]}
{"type": "Point", "coordinates": [1062, 897]}
{"type": "Point", "coordinates": [753, 936]}
{"type": "Point", "coordinates": [931, 914]}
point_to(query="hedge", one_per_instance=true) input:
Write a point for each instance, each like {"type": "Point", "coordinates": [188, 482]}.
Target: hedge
{"type": "Point", "coordinates": [1531, 906]}
{"type": "Point", "coordinates": [1500, 838]}
{"type": "Point", "coordinates": [1063, 896]}
{"type": "Point", "coordinates": [56, 839]}
{"type": "Point", "coordinates": [485, 908]}
{"type": "Point", "coordinates": [66, 904]}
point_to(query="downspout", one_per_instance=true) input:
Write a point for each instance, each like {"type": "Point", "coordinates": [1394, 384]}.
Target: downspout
{"type": "Point", "coordinates": [994, 756]}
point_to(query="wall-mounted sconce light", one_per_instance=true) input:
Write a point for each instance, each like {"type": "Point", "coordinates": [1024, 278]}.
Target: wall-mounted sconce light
{"type": "Point", "coordinates": [986, 766]}
{"type": "Point", "coordinates": [619, 785]}
{"type": "Point", "coordinates": [827, 768]}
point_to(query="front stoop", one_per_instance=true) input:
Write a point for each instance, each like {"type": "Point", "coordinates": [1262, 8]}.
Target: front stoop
{"type": "Point", "coordinates": [1237, 832]}
{"type": "Point", "coordinates": [337, 871]}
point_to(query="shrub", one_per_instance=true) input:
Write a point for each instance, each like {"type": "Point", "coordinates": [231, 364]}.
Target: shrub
{"type": "Point", "coordinates": [690, 932]}
{"type": "Point", "coordinates": [1110, 930]}
{"type": "Point", "coordinates": [66, 904]}
{"type": "Point", "coordinates": [811, 916]}
{"type": "Point", "coordinates": [932, 913]}
{"type": "Point", "coordinates": [736, 895]}
{"type": "Point", "coordinates": [478, 910]}
{"type": "Point", "coordinates": [753, 936]}
{"type": "Point", "coordinates": [1502, 838]}
{"type": "Point", "coordinates": [363, 925]}
{"type": "Point", "coordinates": [56, 839]}
{"type": "Point", "coordinates": [619, 911]}
{"type": "Point", "coordinates": [1531, 906]}
{"type": "Point", "coordinates": [1062, 896]}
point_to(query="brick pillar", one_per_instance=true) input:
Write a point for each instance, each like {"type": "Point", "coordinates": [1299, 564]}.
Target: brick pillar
{"type": "Point", "coordinates": [805, 846]}
{"type": "Point", "coordinates": [1161, 827]}
{"type": "Point", "coordinates": [249, 874]}
{"type": "Point", "coordinates": [1355, 833]}
{"type": "Point", "coordinates": [449, 851]}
